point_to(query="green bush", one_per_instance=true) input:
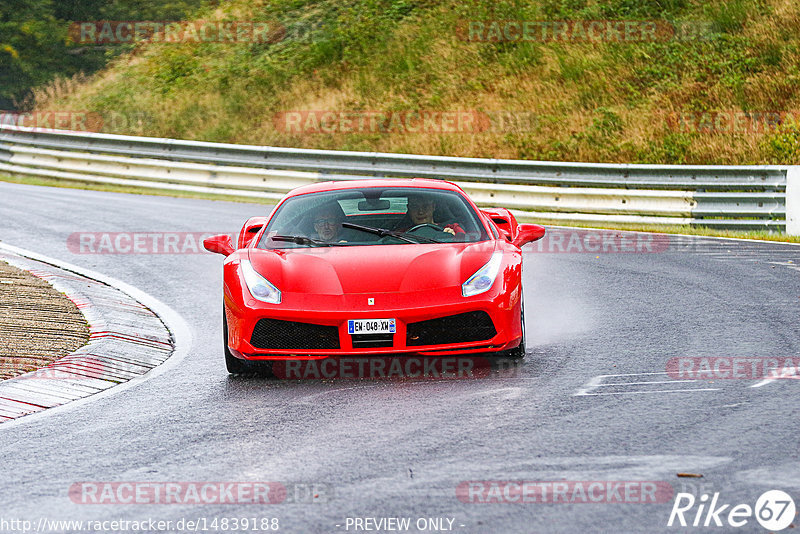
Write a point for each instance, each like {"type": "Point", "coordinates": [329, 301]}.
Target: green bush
{"type": "Point", "coordinates": [784, 143]}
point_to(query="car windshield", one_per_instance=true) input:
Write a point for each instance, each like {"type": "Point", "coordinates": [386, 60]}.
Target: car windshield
{"type": "Point", "coordinates": [373, 216]}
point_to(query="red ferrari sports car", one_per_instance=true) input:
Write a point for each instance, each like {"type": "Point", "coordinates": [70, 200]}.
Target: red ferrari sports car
{"type": "Point", "coordinates": [373, 267]}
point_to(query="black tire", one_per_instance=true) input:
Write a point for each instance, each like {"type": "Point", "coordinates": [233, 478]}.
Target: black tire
{"type": "Point", "coordinates": [518, 353]}
{"type": "Point", "coordinates": [237, 366]}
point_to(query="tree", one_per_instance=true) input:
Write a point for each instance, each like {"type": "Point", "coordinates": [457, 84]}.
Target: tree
{"type": "Point", "coordinates": [33, 38]}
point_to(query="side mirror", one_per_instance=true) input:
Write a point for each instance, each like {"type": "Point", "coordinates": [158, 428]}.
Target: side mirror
{"type": "Point", "coordinates": [526, 233]}
{"type": "Point", "coordinates": [251, 227]}
{"type": "Point", "coordinates": [221, 244]}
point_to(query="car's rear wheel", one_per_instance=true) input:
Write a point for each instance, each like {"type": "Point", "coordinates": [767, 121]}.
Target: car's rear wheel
{"type": "Point", "coordinates": [235, 365]}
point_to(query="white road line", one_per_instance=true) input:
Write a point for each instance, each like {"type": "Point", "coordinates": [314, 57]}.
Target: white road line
{"type": "Point", "coordinates": [794, 375]}
{"type": "Point", "coordinates": [597, 382]}
{"type": "Point", "coordinates": [644, 392]}
{"type": "Point", "coordinates": [788, 264]}
{"type": "Point", "coordinates": [634, 374]}
{"type": "Point", "coordinates": [641, 383]}
{"type": "Point", "coordinates": [590, 385]}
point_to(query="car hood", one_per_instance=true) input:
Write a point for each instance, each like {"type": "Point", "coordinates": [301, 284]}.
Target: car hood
{"type": "Point", "coordinates": [370, 269]}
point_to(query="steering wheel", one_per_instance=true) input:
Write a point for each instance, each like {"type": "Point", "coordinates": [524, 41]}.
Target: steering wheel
{"type": "Point", "coordinates": [423, 225]}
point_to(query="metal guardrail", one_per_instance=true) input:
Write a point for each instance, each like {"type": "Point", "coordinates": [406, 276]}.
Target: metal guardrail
{"type": "Point", "coordinates": [723, 197]}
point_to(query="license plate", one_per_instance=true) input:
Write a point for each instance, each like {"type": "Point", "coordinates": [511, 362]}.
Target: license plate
{"type": "Point", "coordinates": [371, 326]}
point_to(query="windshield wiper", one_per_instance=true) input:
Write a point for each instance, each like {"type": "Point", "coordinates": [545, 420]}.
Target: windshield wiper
{"type": "Point", "coordinates": [301, 240]}
{"type": "Point", "coordinates": [382, 232]}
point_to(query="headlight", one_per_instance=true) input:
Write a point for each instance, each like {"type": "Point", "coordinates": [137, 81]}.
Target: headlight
{"type": "Point", "coordinates": [259, 286]}
{"type": "Point", "coordinates": [483, 279]}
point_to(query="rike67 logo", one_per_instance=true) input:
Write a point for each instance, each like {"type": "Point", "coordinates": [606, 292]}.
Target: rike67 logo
{"type": "Point", "coordinates": [774, 510]}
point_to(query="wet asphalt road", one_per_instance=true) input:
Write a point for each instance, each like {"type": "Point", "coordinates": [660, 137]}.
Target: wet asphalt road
{"type": "Point", "coordinates": [385, 449]}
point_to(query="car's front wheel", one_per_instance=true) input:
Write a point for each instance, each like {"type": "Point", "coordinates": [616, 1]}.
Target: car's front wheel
{"type": "Point", "coordinates": [519, 352]}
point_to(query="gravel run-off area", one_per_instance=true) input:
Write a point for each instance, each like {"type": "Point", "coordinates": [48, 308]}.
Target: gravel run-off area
{"type": "Point", "coordinates": [38, 324]}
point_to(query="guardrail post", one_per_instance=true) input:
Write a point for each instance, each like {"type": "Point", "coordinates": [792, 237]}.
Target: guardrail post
{"type": "Point", "coordinates": [793, 200]}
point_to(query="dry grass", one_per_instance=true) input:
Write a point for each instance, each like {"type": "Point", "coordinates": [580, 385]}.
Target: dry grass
{"type": "Point", "coordinates": [57, 90]}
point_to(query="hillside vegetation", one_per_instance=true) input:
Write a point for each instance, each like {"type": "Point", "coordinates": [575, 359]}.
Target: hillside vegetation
{"type": "Point", "coordinates": [679, 99]}
{"type": "Point", "coordinates": [34, 45]}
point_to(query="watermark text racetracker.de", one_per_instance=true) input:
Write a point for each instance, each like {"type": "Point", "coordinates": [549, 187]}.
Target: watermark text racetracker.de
{"type": "Point", "coordinates": [51, 120]}
{"type": "Point", "coordinates": [209, 492]}
{"type": "Point", "coordinates": [55, 120]}
{"type": "Point", "coordinates": [237, 32]}
{"type": "Point", "coordinates": [107, 32]}
{"type": "Point", "coordinates": [556, 240]}
{"type": "Point", "coordinates": [138, 242]}
{"type": "Point", "coordinates": [582, 31]}
{"type": "Point", "coordinates": [733, 368]}
{"type": "Point", "coordinates": [578, 241]}
{"type": "Point", "coordinates": [381, 122]}
{"type": "Point", "coordinates": [405, 122]}
{"type": "Point", "coordinates": [564, 492]}
{"type": "Point", "coordinates": [150, 524]}
{"type": "Point", "coordinates": [723, 122]}
{"type": "Point", "coordinates": [462, 367]}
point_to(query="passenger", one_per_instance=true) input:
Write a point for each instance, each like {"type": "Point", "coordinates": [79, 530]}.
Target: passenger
{"type": "Point", "coordinates": [420, 211]}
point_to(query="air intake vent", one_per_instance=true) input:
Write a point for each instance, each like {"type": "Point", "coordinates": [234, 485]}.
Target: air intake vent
{"type": "Point", "coordinates": [461, 328]}
{"type": "Point", "coordinates": [289, 335]}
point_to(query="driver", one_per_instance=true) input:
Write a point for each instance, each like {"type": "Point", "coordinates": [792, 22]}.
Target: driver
{"type": "Point", "coordinates": [420, 211]}
{"type": "Point", "coordinates": [327, 222]}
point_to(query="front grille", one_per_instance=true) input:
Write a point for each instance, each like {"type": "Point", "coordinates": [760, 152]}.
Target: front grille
{"type": "Point", "coordinates": [461, 328]}
{"type": "Point", "coordinates": [361, 341]}
{"type": "Point", "coordinates": [289, 335]}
